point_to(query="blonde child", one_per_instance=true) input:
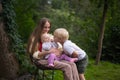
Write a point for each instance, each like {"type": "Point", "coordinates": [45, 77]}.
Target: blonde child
{"type": "Point", "coordinates": [61, 35]}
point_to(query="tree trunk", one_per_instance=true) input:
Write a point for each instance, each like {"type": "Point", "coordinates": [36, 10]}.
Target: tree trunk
{"type": "Point", "coordinates": [8, 64]}
{"type": "Point", "coordinates": [102, 28]}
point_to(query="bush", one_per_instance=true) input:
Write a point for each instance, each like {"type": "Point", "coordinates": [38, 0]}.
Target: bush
{"type": "Point", "coordinates": [111, 48]}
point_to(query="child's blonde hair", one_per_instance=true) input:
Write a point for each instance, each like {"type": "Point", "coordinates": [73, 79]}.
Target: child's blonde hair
{"type": "Point", "coordinates": [62, 33]}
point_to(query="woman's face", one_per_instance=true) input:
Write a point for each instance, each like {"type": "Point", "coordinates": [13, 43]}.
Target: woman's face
{"type": "Point", "coordinates": [46, 27]}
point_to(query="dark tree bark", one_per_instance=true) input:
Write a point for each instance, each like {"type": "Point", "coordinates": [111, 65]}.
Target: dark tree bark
{"type": "Point", "coordinates": [102, 28]}
{"type": "Point", "coordinates": [8, 63]}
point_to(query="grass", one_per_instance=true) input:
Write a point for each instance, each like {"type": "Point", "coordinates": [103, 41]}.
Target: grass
{"type": "Point", "coordinates": [103, 71]}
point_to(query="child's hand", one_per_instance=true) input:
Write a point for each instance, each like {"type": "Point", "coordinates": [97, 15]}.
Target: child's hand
{"type": "Point", "coordinates": [57, 54]}
{"type": "Point", "coordinates": [74, 54]}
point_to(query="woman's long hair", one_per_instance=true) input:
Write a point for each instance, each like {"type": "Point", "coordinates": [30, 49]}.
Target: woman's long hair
{"type": "Point", "coordinates": [35, 38]}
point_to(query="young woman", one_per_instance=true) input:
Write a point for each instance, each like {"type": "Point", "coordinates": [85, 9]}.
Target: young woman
{"type": "Point", "coordinates": [34, 44]}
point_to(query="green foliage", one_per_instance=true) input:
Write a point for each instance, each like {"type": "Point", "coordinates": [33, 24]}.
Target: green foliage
{"type": "Point", "coordinates": [11, 26]}
{"type": "Point", "coordinates": [111, 46]}
{"type": "Point", "coordinates": [111, 49]}
{"type": "Point", "coordinates": [25, 64]}
{"type": "Point", "coordinates": [63, 5]}
{"type": "Point", "coordinates": [16, 44]}
{"type": "Point", "coordinates": [24, 17]}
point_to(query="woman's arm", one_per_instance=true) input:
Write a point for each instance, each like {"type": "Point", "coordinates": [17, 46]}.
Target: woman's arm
{"type": "Point", "coordinates": [38, 54]}
{"type": "Point", "coordinates": [43, 53]}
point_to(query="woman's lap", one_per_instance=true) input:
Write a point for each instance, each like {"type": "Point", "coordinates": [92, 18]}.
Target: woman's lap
{"type": "Point", "coordinates": [57, 64]}
{"type": "Point", "coordinates": [65, 67]}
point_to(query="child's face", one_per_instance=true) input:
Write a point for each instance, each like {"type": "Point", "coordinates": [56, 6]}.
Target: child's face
{"type": "Point", "coordinates": [56, 38]}
{"type": "Point", "coordinates": [46, 38]}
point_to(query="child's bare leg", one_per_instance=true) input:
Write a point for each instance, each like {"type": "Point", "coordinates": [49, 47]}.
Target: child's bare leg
{"type": "Point", "coordinates": [81, 76]}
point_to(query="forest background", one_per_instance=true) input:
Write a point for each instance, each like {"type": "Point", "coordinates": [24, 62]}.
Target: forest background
{"type": "Point", "coordinates": [82, 18]}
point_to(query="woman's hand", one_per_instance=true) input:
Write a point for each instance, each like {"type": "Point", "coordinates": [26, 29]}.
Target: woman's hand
{"type": "Point", "coordinates": [55, 51]}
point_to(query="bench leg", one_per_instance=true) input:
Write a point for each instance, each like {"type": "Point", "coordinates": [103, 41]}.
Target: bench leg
{"type": "Point", "coordinates": [52, 74]}
{"type": "Point", "coordinates": [35, 74]}
{"type": "Point", "coordinates": [43, 74]}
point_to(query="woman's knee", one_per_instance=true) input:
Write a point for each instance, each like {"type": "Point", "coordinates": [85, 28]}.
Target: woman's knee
{"type": "Point", "coordinates": [72, 63]}
{"type": "Point", "coordinates": [68, 67]}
